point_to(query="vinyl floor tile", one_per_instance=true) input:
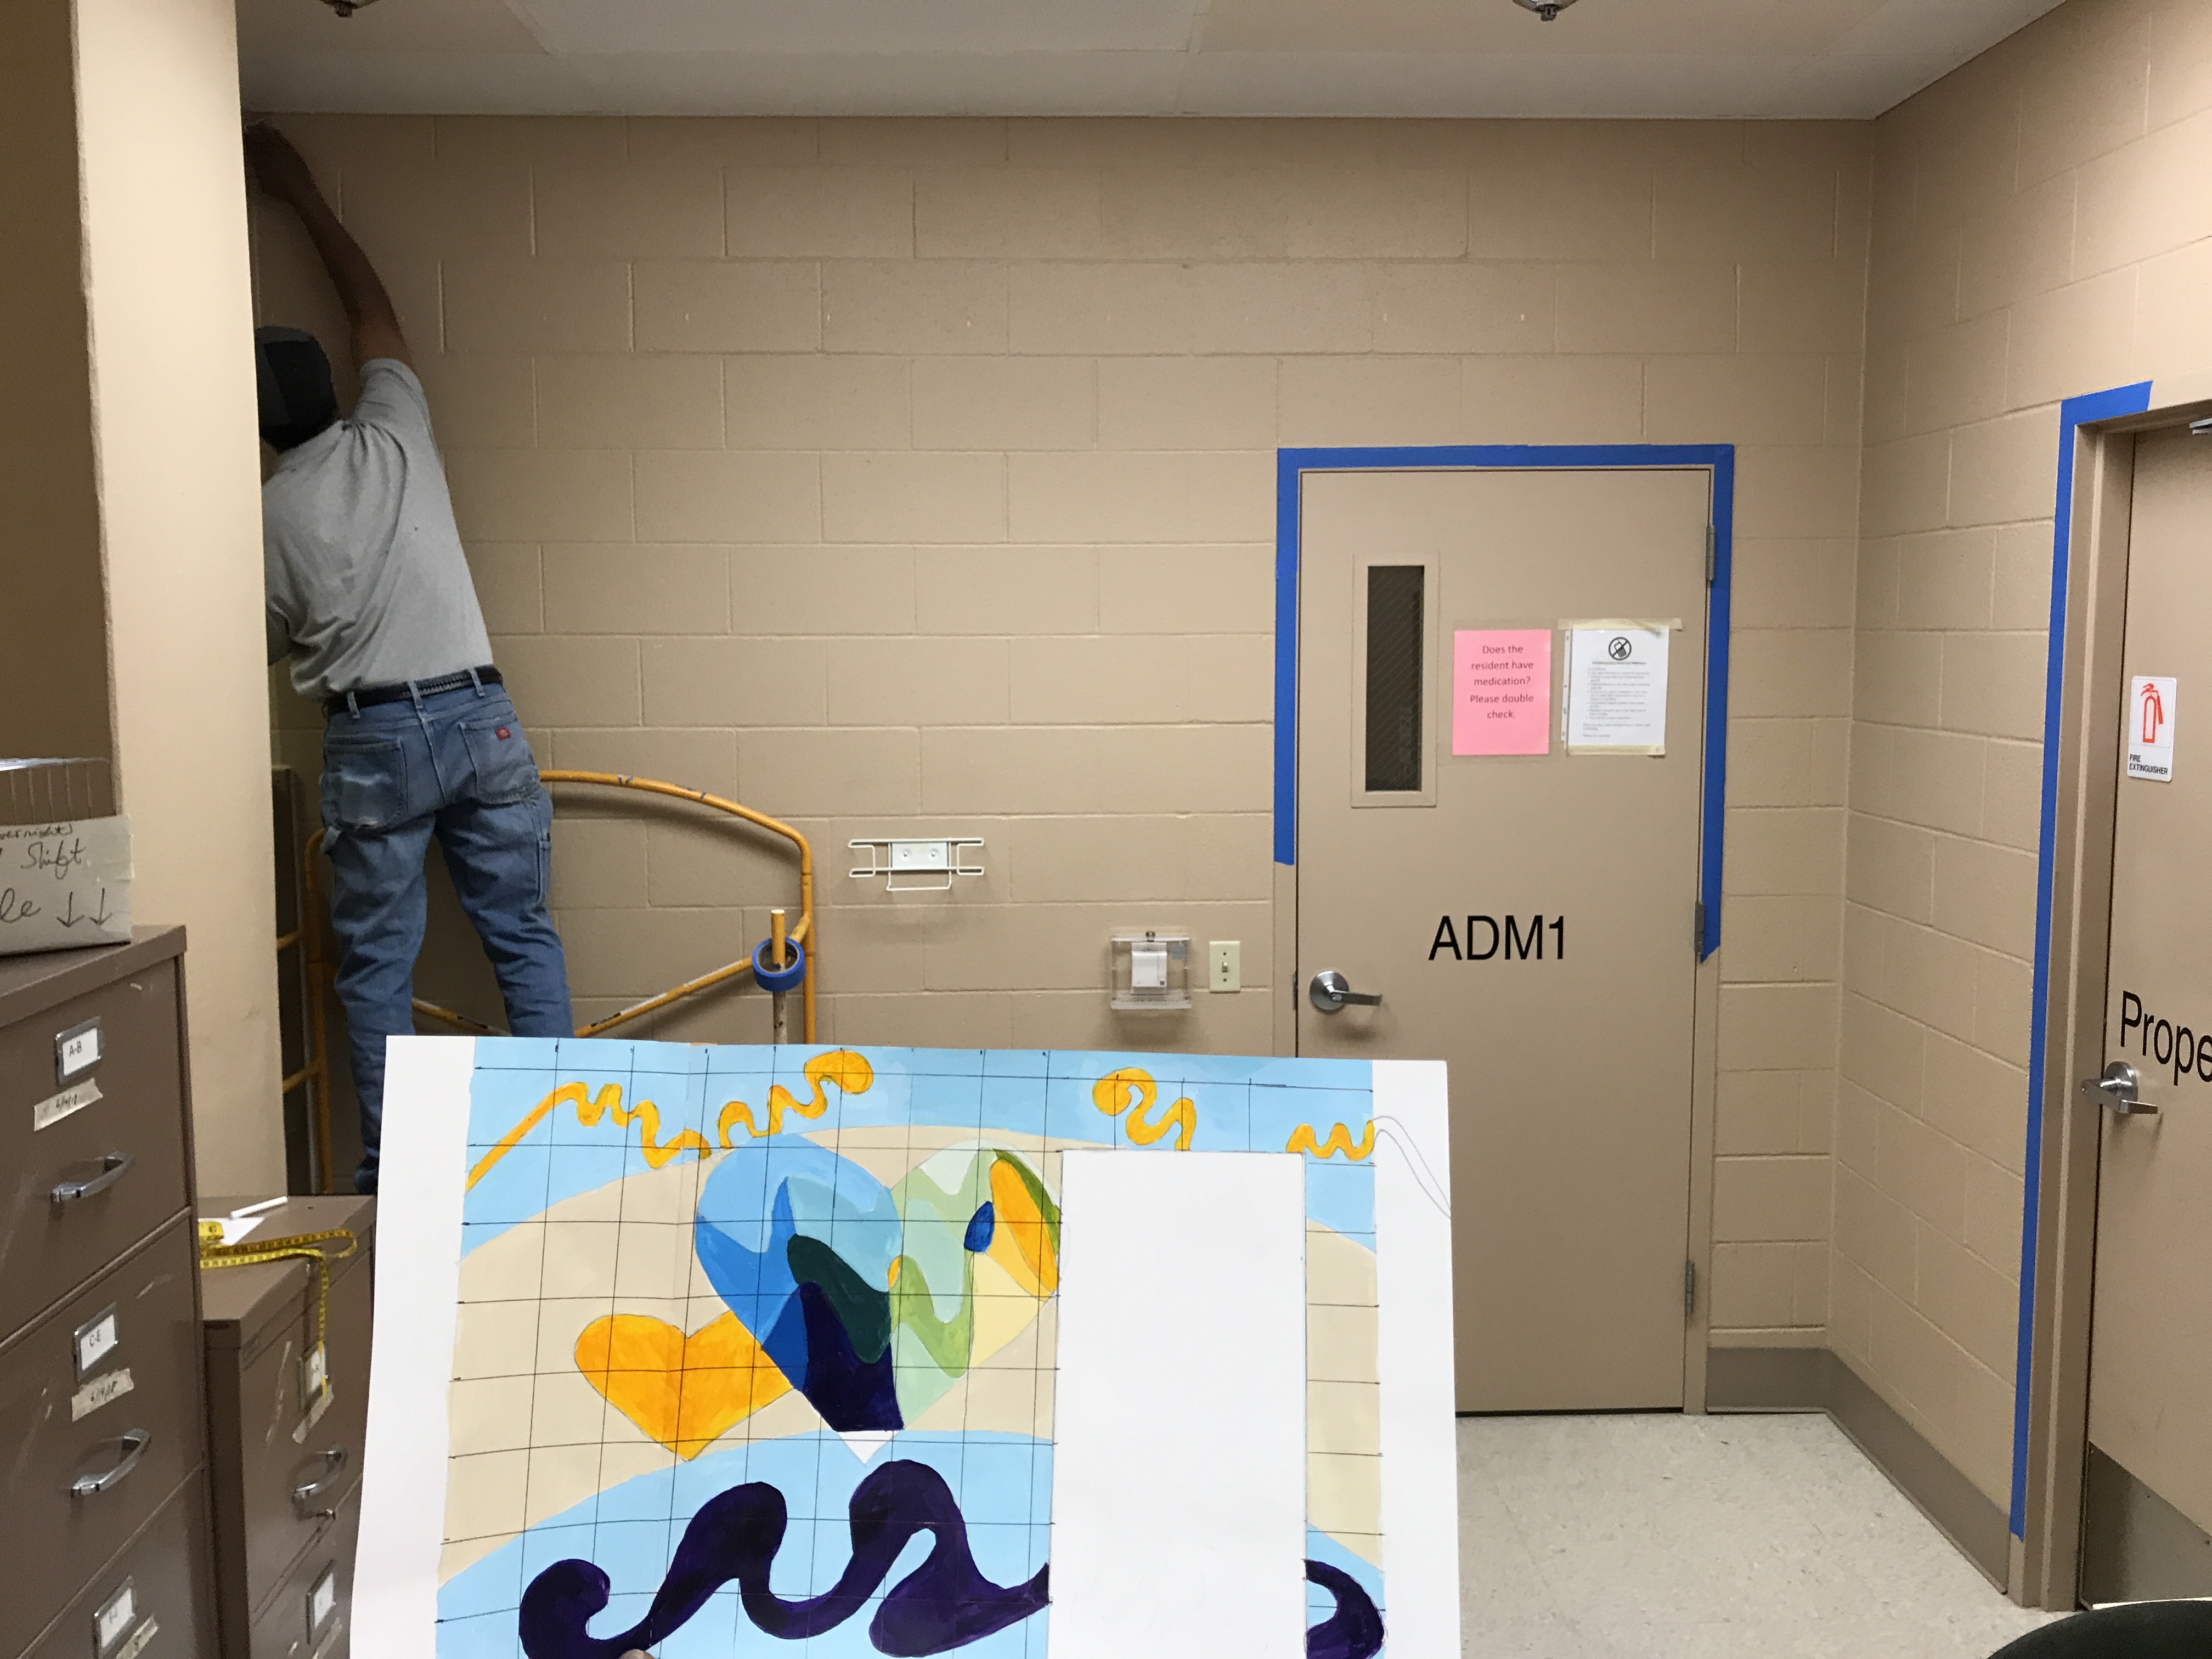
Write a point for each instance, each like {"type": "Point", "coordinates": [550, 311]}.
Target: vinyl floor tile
{"type": "Point", "coordinates": [1672, 1537]}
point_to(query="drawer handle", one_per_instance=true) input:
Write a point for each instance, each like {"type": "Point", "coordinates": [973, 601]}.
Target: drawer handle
{"type": "Point", "coordinates": [134, 1443]}
{"type": "Point", "coordinates": [112, 1168]}
{"type": "Point", "coordinates": [333, 1460]}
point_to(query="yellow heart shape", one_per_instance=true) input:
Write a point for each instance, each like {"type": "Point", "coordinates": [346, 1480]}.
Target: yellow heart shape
{"type": "Point", "coordinates": [684, 1391]}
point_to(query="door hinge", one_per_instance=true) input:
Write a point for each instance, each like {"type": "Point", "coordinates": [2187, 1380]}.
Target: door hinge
{"type": "Point", "coordinates": [1689, 1289]}
{"type": "Point", "coordinates": [1712, 554]}
{"type": "Point", "coordinates": [1698, 929]}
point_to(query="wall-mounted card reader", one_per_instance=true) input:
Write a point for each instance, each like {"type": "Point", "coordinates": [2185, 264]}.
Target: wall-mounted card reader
{"type": "Point", "coordinates": [1152, 970]}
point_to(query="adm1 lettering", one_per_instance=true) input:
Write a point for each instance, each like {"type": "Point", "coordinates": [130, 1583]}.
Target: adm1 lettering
{"type": "Point", "coordinates": [1488, 939]}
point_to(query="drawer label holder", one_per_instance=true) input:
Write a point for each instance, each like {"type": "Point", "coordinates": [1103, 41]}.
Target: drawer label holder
{"type": "Point", "coordinates": [76, 1050]}
{"type": "Point", "coordinates": [114, 1616]}
{"type": "Point", "coordinates": [321, 1248]}
{"type": "Point", "coordinates": [96, 1341]}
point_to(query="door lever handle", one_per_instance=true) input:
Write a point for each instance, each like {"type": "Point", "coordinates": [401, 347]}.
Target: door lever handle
{"type": "Point", "coordinates": [2115, 1090]}
{"type": "Point", "coordinates": [1331, 991]}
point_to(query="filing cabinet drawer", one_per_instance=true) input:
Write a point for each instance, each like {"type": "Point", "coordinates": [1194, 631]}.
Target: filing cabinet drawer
{"type": "Point", "coordinates": [269, 1443]}
{"type": "Point", "coordinates": [152, 1601]}
{"type": "Point", "coordinates": [108, 1166]}
{"type": "Point", "coordinates": [310, 1615]}
{"type": "Point", "coordinates": [89, 1456]}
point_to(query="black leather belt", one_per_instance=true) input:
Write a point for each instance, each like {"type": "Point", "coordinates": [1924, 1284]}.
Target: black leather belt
{"type": "Point", "coordinates": [369, 695]}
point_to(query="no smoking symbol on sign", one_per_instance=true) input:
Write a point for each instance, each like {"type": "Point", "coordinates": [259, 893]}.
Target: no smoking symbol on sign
{"type": "Point", "coordinates": [1619, 648]}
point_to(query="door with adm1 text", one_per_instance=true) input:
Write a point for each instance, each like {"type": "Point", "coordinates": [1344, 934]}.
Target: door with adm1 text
{"type": "Point", "coordinates": [1517, 887]}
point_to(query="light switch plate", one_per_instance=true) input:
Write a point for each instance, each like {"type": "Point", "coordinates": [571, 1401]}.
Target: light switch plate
{"type": "Point", "coordinates": [1225, 965]}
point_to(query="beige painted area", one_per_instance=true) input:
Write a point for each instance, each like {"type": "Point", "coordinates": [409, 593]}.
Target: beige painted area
{"type": "Point", "coordinates": [53, 642]}
{"type": "Point", "coordinates": [900, 476]}
{"type": "Point", "coordinates": [172, 408]}
{"type": "Point", "coordinates": [2042, 229]}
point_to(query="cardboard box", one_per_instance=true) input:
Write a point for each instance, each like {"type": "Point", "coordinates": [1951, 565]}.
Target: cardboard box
{"type": "Point", "coordinates": [65, 857]}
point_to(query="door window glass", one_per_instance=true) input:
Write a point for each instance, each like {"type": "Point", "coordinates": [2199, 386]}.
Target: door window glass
{"type": "Point", "coordinates": [1396, 600]}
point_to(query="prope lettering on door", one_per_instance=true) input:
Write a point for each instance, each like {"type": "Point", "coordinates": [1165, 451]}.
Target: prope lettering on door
{"type": "Point", "coordinates": [2164, 1044]}
{"type": "Point", "coordinates": [1488, 939]}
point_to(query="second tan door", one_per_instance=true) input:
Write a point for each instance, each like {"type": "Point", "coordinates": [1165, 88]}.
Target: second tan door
{"type": "Point", "coordinates": [2150, 1374]}
{"type": "Point", "coordinates": [1528, 918]}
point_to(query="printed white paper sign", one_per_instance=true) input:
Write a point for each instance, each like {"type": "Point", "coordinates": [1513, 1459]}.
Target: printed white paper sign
{"type": "Point", "coordinates": [1616, 697]}
{"type": "Point", "coordinates": [2147, 735]}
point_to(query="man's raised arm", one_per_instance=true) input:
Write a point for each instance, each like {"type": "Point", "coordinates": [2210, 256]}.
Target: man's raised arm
{"type": "Point", "coordinates": [279, 169]}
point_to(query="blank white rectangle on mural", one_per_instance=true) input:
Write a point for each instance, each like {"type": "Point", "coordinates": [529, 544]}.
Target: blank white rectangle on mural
{"type": "Point", "coordinates": [1179, 1455]}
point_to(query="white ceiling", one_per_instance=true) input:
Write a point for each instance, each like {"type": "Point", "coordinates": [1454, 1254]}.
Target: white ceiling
{"type": "Point", "coordinates": [1382, 57]}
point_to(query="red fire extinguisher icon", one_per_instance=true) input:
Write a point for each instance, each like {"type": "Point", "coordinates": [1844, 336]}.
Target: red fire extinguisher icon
{"type": "Point", "coordinates": [2154, 713]}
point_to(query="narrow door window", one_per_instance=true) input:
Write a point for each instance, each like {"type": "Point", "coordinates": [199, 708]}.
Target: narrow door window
{"type": "Point", "coordinates": [1397, 597]}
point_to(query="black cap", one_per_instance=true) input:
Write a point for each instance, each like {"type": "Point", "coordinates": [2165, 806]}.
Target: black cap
{"type": "Point", "coordinates": [292, 377]}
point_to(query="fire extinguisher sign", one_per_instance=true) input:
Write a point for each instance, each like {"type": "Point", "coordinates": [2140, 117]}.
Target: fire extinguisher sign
{"type": "Point", "coordinates": [2149, 733]}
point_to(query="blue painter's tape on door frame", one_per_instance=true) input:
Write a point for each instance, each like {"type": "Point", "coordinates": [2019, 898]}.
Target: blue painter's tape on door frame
{"type": "Point", "coordinates": [1290, 464]}
{"type": "Point", "coordinates": [2073, 415]}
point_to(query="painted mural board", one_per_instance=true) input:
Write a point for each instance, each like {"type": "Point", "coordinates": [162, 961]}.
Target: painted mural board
{"type": "Point", "coordinates": [714, 1350]}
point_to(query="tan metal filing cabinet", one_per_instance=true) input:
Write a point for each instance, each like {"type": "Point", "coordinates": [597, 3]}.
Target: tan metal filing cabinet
{"type": "Point", "coordinates": [286, 1476]}
{"type": "Point", "coordinates": [103, 1429]}
{"type": "Point", "coordinates": [154, 1593]}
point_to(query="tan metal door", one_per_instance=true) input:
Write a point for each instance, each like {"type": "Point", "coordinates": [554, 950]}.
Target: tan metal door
{"type": "Point", "coordinates": [2150, 1369]}
{"type": "Point", "coordinates": [1562, 991]}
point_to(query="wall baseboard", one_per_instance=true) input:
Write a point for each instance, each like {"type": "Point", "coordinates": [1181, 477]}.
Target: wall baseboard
{"type": "Point", "coordinates": [1815, 1380]}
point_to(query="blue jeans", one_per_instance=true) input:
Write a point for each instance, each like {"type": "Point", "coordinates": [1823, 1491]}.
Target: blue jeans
{"type": "Point", "coordinates": [457, 767]}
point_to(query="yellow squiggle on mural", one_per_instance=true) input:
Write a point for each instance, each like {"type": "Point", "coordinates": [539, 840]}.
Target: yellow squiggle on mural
{"type": "Point", "coordinates": [851, 1073]}
{"type": "Point", "coordinates": [590, 1109]}
{"type": "Point", "coordinates": [1113, 1093]}
{"type": "Point", "coordinates": [1339, 1140]}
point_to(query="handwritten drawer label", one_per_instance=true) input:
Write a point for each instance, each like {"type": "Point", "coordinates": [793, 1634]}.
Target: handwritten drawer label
{"type": "Point", "coordinates": [322, 1600]}
{"type": "Point", "coordinates": [102, 1390]}
{"type": "Point", "coordinates": [54, 1108]}
{"type": "Point", "coordinates": [322, 1403]}
{"type": "Point", "coordinates": [114, 1616]}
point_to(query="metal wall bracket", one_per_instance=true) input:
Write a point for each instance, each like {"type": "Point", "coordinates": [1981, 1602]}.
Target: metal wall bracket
{"type": "Point", "coordinates": [916, 865]}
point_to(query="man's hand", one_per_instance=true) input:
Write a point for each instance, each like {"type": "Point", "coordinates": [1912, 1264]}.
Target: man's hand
{"type": "Point", "coordinates": [278, 167]}
{"type": "Point", "coordinates": [282, 172]}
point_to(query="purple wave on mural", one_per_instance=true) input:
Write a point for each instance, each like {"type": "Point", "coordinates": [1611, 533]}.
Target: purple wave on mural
{"type": "Point", "coordinates": [1354, 1631]}
{"type": "Point", "coordinates": [944, 1603]}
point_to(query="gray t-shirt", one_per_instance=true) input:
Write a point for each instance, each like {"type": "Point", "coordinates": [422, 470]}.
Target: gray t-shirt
{"type": "Point", "coordinates": [366, 580]}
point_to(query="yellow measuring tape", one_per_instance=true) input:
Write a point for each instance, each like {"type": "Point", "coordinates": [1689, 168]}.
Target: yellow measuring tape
{"type": "Point", "coordinates": [302, 1247]}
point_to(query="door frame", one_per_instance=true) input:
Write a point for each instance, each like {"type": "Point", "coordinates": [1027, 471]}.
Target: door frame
{"type": "Point", "coordinates": [2074, 880]}
{"type": "Point", "coordinates": [1719, 461]}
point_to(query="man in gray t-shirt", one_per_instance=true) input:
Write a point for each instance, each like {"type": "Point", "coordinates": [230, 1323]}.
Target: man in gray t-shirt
{"type": "Point", "coordinates": [369, 594]}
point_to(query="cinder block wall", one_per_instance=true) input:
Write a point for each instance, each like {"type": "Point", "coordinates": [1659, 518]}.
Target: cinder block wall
{"type": "Point", "coordinates": [918, 477]}
{"type": "Point", "coordinates": [2043, 228]}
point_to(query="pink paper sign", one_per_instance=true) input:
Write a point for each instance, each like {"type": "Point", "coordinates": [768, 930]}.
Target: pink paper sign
{"type": "Point", "coordinates": [1502, 692]}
